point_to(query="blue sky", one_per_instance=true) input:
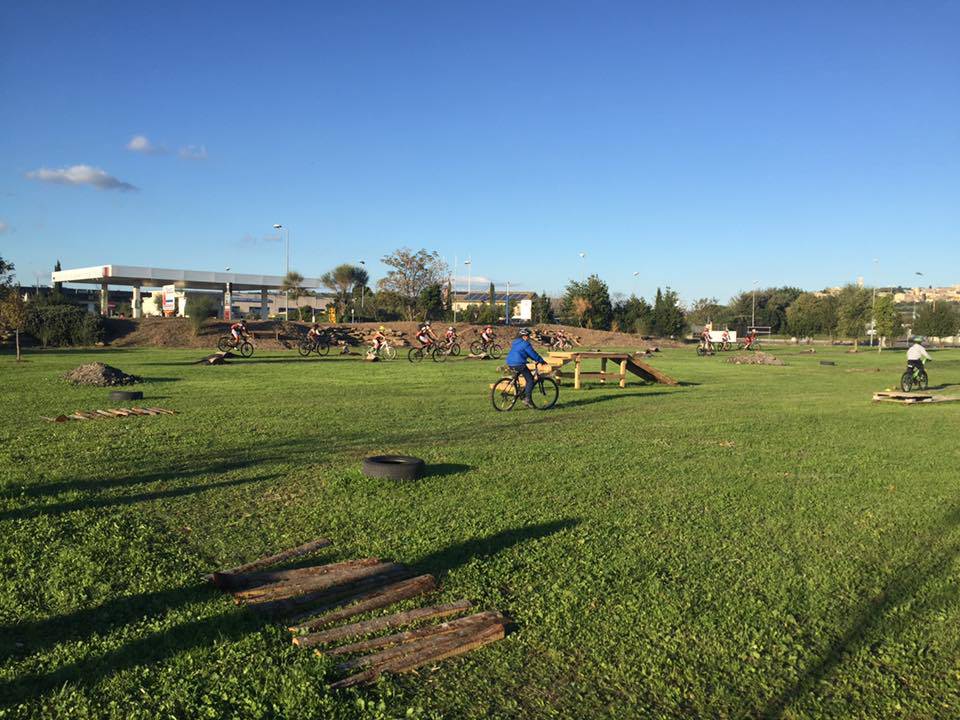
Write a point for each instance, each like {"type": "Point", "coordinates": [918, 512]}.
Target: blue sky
{"type": "Point", "coordinates": [702, 145]}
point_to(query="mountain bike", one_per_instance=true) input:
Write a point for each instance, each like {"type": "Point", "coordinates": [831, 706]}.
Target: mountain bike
{"type": "Point", "coordinates": [506, 390]}
{"type": "Point", "coordinates": [226, 343]}
{"type": "Point", "coordinates": [416, 354]}
{"type": "Point", "coordinates": [450, 347]}
{"type": "Point", "coordinates": [914, 377]}
{"type": "Point", "coordinates": [493, 349]}
{"type": "Point", "coordinates": [562, 345]}
{"type": "Point", "coordinates": [386, 351]}
{"type": "Point", "coordinates": [705, 349]}
{"type": "Point", "coordinates": [748, 345]}
{"type": "Point", "coordinates": [318, 345]}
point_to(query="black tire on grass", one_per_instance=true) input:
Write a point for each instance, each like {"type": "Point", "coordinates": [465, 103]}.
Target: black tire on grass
{"type": "Point", "coordinates": [125, 395]}
{"type": "Point", "coordinates": [393, 467]}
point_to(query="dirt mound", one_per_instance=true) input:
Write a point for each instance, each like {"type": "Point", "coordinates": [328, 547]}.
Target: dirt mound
{"type": "Point", "coordinates": [755, 358]}
{"type": "Point", "coordinates": [101, 375]}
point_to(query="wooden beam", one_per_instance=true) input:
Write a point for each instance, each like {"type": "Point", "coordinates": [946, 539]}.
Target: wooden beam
{"type": "Point", "coordinates": [268, 560]}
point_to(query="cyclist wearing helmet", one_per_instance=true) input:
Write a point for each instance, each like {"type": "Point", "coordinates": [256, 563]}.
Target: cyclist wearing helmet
{"type": "Point", "coordinates": [916, 354]}
{"type": "Point", "coordinates": [238, 331]}
{"type": "Point", "coordinates": [487, 335]}
{"type": "Point", "coordinates": [451, 335]}
{"type": "Point", "coordinates": [313, 334]}
{"type": "Point", "coordinates": [520, 352]}
{"type": "Point", "coordinates": [425, 334]}
{"type": "Point", "coordinates": [379, 339]}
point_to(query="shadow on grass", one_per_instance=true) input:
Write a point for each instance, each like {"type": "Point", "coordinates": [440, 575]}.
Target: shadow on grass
{"type": "Point", "coordinates": [620, 395]}
{"type": "Point", "coordinates": [91, 503]}
{"type": "Point", "coordinates": [931, 560]}
{"type": "Point", "coordinates": [444, 469]}
{"type": "Point", "coordinates": [27, 638]}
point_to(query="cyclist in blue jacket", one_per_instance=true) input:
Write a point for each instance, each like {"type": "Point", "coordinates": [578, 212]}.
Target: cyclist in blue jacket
{"type": "Point", "coordinates": [520, 352]}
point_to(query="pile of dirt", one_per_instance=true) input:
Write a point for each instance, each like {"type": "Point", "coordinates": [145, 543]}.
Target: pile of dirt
{"type": "Point", "coordinates": [755, 358]}
{"type": "Point", "coordinates": [101, 375]}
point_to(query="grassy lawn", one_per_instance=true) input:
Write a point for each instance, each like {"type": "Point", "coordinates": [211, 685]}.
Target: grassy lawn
{"type": "Point", "coordinates": [758, 542]}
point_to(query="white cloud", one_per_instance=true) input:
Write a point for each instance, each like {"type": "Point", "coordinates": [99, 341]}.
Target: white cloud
{"type": "Point", "coordinates": [3, 227]}
{"type": "Point", "coordinates": [193, 152]}
{"type": "Point", "coordinates": [81, 175]}
{"type": "Point", "coordinates": [141, 144]}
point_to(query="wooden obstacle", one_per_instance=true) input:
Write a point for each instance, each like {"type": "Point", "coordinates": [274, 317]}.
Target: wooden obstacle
{"type": "Point", "coordinates": [626, 362]}
{"type": "Point", "coordinates": [111, 413]}
{"type": "Point", "coordinates": [912, 398]}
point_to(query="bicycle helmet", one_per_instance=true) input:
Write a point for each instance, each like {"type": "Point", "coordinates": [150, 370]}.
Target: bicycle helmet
{"type": "Point", "coordinates": [450, 328]}
{"type": "Point", "coordinates": [525, 332]}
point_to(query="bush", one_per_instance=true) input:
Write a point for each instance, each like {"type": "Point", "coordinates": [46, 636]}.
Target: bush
{"type": "Point", "coordinates": [61, 325]}
{"type": "Point", "coordinates": [199, 309]}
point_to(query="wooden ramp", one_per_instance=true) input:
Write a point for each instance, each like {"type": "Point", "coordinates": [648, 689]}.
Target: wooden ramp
{"type": "Point", "coordinates": [912, 398]}
{"type": "Point", "coordinates": [627, 363]}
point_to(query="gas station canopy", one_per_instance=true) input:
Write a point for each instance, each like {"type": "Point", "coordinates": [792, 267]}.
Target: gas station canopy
{"type": "Point", "coordinates": [147, 277]}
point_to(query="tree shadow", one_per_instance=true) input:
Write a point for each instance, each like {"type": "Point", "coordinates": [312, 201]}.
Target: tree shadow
{"type": "Point", "coordinates": [445, 469]}
{"type": "Point", "coordinates": [232, 624]}
{"type": "Point", "coordinates": [927, 562]}
{"type": "Point", "coordinates": [50, 509]}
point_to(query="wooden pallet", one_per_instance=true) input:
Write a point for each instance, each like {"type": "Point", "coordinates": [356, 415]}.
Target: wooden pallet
{"type": "Point", "coordinates": [313, 600]}
{"type": "Point", "coordinates": [112, 413]}
{"type": "Point", "coordinates": [912, 398]}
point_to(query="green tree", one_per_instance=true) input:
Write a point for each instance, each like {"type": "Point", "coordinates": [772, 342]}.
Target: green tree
{"type": "Point", "coordinates": [887, 318]}
{"type": "Point", "coordinates": [667, 318]}
{"type": "Point", "coordinates": [541, 311]}
{"type": "Point", "coordinates": [57, 294]}
{"type": "Point", "coordinates": [853, 312]}
{"type": "Point", "coordinates": [937, 320]}
{"type": "Point", "coordinates": [200, 307]}
{"type": "Point", "coordinates": [589, 302]}
{"type": "Point", "coordinates": [410, 273]}
{"type": "Point", "coordinates": [770, 309]}
{"type": "Point", "coordinates": [293, 287]}
{"type": "Point", "coordinates": [344, 280]}
{"type": "Point", "coordinates": [431, 302]}
{"type": "Point", "coordinates": [812, 314]}
{"type": "Point", "coordinates": [13, 313]}
{"type": "Point", "coordinates": [6, 273]}
{"type": "Point", "coordinates": [632, 315]}
{"type": "Point", "coordinates": [708, 310]}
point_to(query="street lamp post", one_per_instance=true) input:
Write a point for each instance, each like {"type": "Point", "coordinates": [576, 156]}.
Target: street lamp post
{"type": "Point", "coordinates": [363, 287]}
{"type": "Point", "coordinates": [469, 263]}
{"type": "Point", "coordinates": [636, 275]}
{"type": "Point", "coordinates": [583, 266]}
{"type": "Point", "coordinates": [917, 289]}
{"type": "Point", "coordinates": [286, 271]}
{"type": "Point", "coordinates": [753, 311]}
{"type": "Point", "coordinates": [873, 305]}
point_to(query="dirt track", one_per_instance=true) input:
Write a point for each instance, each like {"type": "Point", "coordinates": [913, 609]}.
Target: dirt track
{"type": "Point", "coordinates": [176, 332]}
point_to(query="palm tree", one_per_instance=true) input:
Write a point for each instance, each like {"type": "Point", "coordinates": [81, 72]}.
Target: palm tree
{"type": "Point", "coordinates": [293, 286]}
{"type": "Point", "coordinates": [343, 279]}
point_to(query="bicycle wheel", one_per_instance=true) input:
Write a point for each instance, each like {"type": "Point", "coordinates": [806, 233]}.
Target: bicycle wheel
{"type": "Point", "coordinates": [439, 355]}
{"type": "Point", "coordinates": [388, 352]}
{"type": "Point", "coordinates": [503, 395]}
{"type": "Point", "coordinates": [223, 344]}
{"type": "Point", "coordinates": [415, 354]}
{"type": "Point", "coordinates": [323, 348]}
{"type": "Point", "coordinates": [700, 351]}
{"type": "Point", "coordinates": [455, 349]}
{"type": "Point", "coordinates": [906, 381]}
{"type": "Point", "coordinates": [305, 348]}
{"type": "Point", "coordinates": [495, 351]}
{"type": "Point", "coordinates": [922, 380]}
{"type": "Point", "coordinates": [545, 393]}
{"type": "Point", "coordinates": [476, 348]}
{"type": "Point", "coordinates": [246, 349]}
{"type": "Point", "coordinates": [755, 346]}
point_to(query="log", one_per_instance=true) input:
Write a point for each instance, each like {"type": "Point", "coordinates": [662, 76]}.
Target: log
{"type": "Point", "coordinates": [364, 602]}
{"type": "Point", "coordinates": [330, 597]}
{"type": "Point", "coordinates": [249, 580]}
{"type": "Point", "coordinates": [382, 623]}
{"type": "Point", "coordinates": [269, 560]}
{"type": "Point", "coordinates": [414, 640]}
{"type": "Point", "coordinates": [429, 654]}
{"type": "Point", "coordinates": [307, 582]}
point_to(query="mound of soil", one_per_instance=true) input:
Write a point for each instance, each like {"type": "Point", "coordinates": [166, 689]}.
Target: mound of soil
{"type": "Point", "coordinates": [755, 358]}
{"type": "Point", "coordinates": [101, 375]}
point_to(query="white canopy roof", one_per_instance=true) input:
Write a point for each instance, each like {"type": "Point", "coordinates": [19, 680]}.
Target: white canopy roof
{"type": "Point", "coordinates": [146, 277]}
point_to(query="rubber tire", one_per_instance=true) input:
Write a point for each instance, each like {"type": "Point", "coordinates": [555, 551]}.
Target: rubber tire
{"type": "Point", "coordinates": [922, 381]}
{"type": "Point", "coordinates": [549, 395]}
{"type": "Point", "coordinates": [305, 348]}
{"type": "Point", "coordinates": [508, 400]}
{"type": "Point", "coordinates": [700, 351]}
{"type": "Point", "coordinates": [246, 349]}
{"type": "Point", "coordinates": [455, 349]}
{"type": "Point", "coordinates": [906, 381]}
{"type": "Point", "coordinates": [439, 355]}
{"type": "Point", "coordinates": [223, 344]}
{"type": "Point", "coordinates": [496, 351]}
{"type": "Point", "coordinates": [476, 348]}
{"type": "Point", "coordinates": [323, 348]}
{"type": "Point", "coordinates": [415, 354]}
{"type": "Point", "coordinates": [125, 395]}
{"type": "Point", "coordinates": [393, 467]}
{"type": "Point", "coordinates": [389, 353]}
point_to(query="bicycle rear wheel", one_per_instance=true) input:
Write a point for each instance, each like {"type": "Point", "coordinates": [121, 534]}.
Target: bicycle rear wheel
{"type": "Point", "coordinates": [223, 344]}
{"type": "Point", "coordinates": [545, 393]}
{"type": "Point", "coordinates": [415, 355]}
{"type": "Point", "coordinates": [305, 348]}
{"type": "Point", "coordinates": [495, 351]}
{"type": "Point", "coordinates": [476, 348]}
{"type": "Point", "coordinates": [388, 352]}
{"type": "Point", "coordinates": [906, 381]}
{"type": "Point", "coordinates": [439, 355]}
{"type": "Point", "coordinates": [246, 349]}
{"type": "Point", "coordinates": [455, 349]}
{"type": "Point", "coordinates": [503, 395]}
{"type": "Point", "coordinates": [700, 351]}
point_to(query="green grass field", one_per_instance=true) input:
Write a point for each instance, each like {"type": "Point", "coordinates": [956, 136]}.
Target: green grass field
{"type": "Point", "coordinates": [757, 542]}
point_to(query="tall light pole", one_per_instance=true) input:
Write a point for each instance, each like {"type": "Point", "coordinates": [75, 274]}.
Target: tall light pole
{"type": "Point", "coordinates": [753, 312]}
{"type": "Point", "coordinates": [469, 263]}
{"type": "Point", "coordinates": [915, 302]}
{"type": "Point", "coordinates": [364, 286]}
{"type": "Point", "coordinates": [873, 304]}
{"type": "Point", "coordinates": [286, 271]}
{"type": "Point", "coordinates": [583, 265]}
{"type": "Point", "coordinates": [636, 276]}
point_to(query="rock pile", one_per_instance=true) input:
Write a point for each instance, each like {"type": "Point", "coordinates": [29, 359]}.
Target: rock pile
{"type": "Point", "coordinates": [101, 375]}
{"type": "Point", "coordinates": [755, 358]}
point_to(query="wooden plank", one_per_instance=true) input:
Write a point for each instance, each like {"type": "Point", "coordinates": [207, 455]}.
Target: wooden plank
{"type": "Point", "coordinates": [254, 579]}
{"type": "Point", "coordinates": [648, 372]}
{"type": "Point", "coordinates": [429, 654]}
{"type": "Point", "coordinates": [408, 637]}
{"type": "Point", "coordinates": [366, 601]}
{"type": "Point", "coordinates": [382, 623]}
{"type": "Point", "coordinates": [312, 582]}
{"type": "Point", "coordinates": [576, 375]}
{"type": "Point", "coordinates": [623, 373]}
{"type": "Point", "coordinates": [330, 596]}
{"type": "Point", "coordinates": [267, 561]}
{"type": "Point", "coordinates": [603, 371]}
